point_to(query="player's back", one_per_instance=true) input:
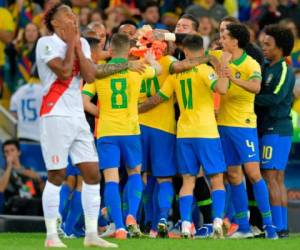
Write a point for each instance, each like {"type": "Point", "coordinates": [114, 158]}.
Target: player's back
{"type": "Point", "coordinates": [26, 102]}
{"type": "Point", "coordinates": [118, 96]}
{"type": "Point", "coordinates": [194, 92]}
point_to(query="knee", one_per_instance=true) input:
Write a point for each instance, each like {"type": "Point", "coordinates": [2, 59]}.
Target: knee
{"type": "Point", "coordinates": [188, 185]}
{"type": "Point", "coordinates": [136, 170]}
{"type": "Point", "coordinates": [234, 177]}
{"type": "Point", "coordinates": [217, 181]}
{"type": "Point", "coordinates": [92, 179]}
{"type": "Point", "coordinates": [253, 174]}
{"type": "Point", "coordinates": [57, 177]}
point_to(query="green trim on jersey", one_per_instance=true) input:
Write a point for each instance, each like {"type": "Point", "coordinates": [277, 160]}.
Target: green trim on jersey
{"type": "Point", "coordinates": [282, 78]}
{"type": "Point", "coordinates": [118, 60]}
{"type": "Point", "coordinates": [213, 85]}
{"type": "Point", "coordinates": [240, 60]}
{"type": "Point", "coordinates": [85, 92]}
{"type": "Point", "coordinates": [164, 97]}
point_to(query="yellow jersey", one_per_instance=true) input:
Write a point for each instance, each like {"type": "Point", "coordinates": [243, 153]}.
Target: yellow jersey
{"type": "Point", "coordinates": [194, 93]}
{"type": "Point", "coordinates": [6, 24]}
{"type": "Point", "coordinates": [237, 105]}
{"type": "Point", "coordinates": [118, 97]}
{"type": "Point", "coordinates": [162, 116]}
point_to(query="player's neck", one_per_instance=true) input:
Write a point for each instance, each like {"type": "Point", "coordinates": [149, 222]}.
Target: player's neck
{"type": "Point", "coordinates": [59, 34]}
{"type": "Point", "coordinates": [237, 53]}
{"type": "Point", "coordinates": [276, 59]}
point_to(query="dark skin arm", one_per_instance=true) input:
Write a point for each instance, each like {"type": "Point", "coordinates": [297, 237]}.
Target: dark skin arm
{"type": "Point", "coordinates": [150, 103]}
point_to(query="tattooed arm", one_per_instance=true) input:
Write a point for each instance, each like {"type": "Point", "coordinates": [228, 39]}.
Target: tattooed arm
{"type": "Point", "coordinates": [103, 70]}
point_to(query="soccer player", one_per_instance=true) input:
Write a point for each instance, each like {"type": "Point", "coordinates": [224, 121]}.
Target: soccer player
{"type": "Point", "coordinates": [273, 106]}
{"type": "Point", "coordinates": [237, 127]}
{"type": "Point", "coordinates": [118, 135]}
{"type": "Point", "coordinates": [25, 105]}
{"type": "Point", "coordinates": [158, 143]}
{"type": "Point", "coordinates": [198, 140]}
{"type": "Point", "coordinates": [62, 59]}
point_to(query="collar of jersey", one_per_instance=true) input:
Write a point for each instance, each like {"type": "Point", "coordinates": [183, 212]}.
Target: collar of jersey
{"type": "Point", "coordinates": [240, 60]}
{"type": "Point", "coordinates": [118, 60]}
{"type": "Point", "coordinates": [58, 39]}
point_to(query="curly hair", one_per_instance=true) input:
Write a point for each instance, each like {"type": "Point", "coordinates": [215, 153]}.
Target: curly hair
{"type": "Point", "coordinates": [240, 33]}
{"type": "Point", "coordinates": [49, 16]}
{"type": "Point", "coordinates": [283, 37]}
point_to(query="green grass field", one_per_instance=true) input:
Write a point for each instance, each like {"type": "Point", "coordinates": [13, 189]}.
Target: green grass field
{"type": "Point", "coordinates": [32, 241]}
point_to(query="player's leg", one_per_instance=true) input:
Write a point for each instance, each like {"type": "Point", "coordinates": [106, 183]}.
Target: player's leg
{"type": "Point", "coordinates": [83, 154]}
{"type": "Point", "coordinates": [235, 178]}
{"type": "Point", "coordinates": [56, 140]}
{"type": "Point", "coordinates": [162, 154]}
{"type": "Point", "coordinates": [149, 183]}
{"type": "Point", "coordinates": [131, 152]}
{"type": "Point", "coordinates": [284, 204]}
{"type": "Point", "coordinates": [188, 167]}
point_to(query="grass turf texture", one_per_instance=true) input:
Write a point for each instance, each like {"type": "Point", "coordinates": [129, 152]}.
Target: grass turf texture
{"type": "Point", "coordinates": [32, 241]}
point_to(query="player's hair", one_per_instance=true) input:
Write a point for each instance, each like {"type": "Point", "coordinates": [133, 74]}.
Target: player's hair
{"type": "Point", "coordinates": [283, 37]}
{"type": "Point", "coordinates": [239, 32]}
{"type": "Point", "coordinates": [119, 43]}
{"type": "Point", "coordinates": [230, 19]}
{"type": "Point", "coordinates": [127, 22]}
{"type": "Point", "coordinates": [147, 4]}
{"type": "Point", "coordinates": [193, 42]}
{"type": "Point", "coordinates": [49, 16]}
{"type": "Point", "coordinates": [194, 20]}
{"type": "Point", "coordinates": [14, 142]}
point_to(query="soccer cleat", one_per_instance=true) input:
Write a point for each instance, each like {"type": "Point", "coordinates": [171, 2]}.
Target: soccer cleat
{"type": "Point", "coordinates": [162, 228]}
{"type": "Point", "coordinates": [54, 242]}
{"type": "Point", "coordinates": [121, 234]}
{"type": "Point", "coordinates": [110, 231]}
{"type": "Point", "coordinates": [270, 232]}
{"type": "Point", "coordinates": [257, 232]}
{"type": "Point", "coordinates": [241, 235]}
{"type": "Point", "coordinates": [218, 229]}
{"type": "Point", "coordinates": [187, 229]}
{"type": "Point", "coordinates": [175, 231]}
{"type": "Point", "coordinates": [93, 240]}
{"type": "Point", "coordinates": [204, 232]}
{"type": "Point", "coordinates": [152, 234]}
{"type": "Point", "coordinates": [283, 234]}
{"type": "Point", "coordinates": [133, 228]}
{"type": "Point", "coordinates": [232, 229]}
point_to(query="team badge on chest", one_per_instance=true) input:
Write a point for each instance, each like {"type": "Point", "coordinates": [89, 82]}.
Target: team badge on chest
{"type": "Point", "coordinates": [237, 75]}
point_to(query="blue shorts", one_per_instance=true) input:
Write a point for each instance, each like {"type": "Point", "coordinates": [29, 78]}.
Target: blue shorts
{"type": "Point", "coordinates": [113, 149]}
{"type": "Point", "coordinates": [195, 152]}
{"type": "Point", "coordinates": [72, 170]}
{"type": "Point", "coordinates": [240, 145]}
{"type": "Point", "coordinates": [158, 152]}
{"type": "Point", "coordinates": [274, 151]}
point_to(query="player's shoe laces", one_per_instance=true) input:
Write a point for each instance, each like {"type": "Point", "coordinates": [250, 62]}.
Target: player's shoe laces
{"type": "Point", "coordinates": [270, 232]}
{"type": "Point", "coordinates": [133, 228]}
{"type": "Point", "coordinates": [204, 232]}
{"type": "Point", "coordinates": [187, 229]}
{"type": "Point", "coordinates": [93, 240]}
{"type": "Point", "coordinates": [218, 229]}
{"type": "Point", "coordinates": [162, 228]}
{"type": "Point", "coordinates": [121, 234]}
{"type": "Point", "coordinates": [109, 232]}
{"type": "Point", "coordinates": [54, 241]}
{"type": "Point", "coordinates": [232, 229]}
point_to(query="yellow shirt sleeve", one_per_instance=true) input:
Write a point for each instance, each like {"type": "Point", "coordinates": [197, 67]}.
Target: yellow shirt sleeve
{"type": "Point", "coordinates": [209, 77]}
{"type": "Point", "coordinates": [254, 71]}
{"type": "Point", "coordinates": [89, 89]}
{"type": "Point", "coordinates": [167, 89]}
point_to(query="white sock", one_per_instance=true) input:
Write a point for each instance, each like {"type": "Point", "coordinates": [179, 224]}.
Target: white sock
{"type": "Point", "coordinates": [50, 201]}
{"type": "Point", "coordinates": [90, 198]}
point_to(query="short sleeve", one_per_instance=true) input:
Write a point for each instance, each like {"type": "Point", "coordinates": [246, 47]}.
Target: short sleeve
{"type": "Point", "coordinates": [254, 71]}
{"type": "Point", "coordinates": [13, 107]}
{"type": "Point", "coordinates": [46, 49]}
{"type": "Point", "coordinates": [171, 60]}
{"type": "Point", "coordinates": [167, 89]}
{"type": "Point", "coordinates": [215, 53]}
{"type": "Point", "coordinates": [149, 72]}
{"type": "Point", "coordinates": [209, 78]}
{"type": "Point", "coordinates": [86, 48]}
{"type": "Point", "coordinates": [89, 89]}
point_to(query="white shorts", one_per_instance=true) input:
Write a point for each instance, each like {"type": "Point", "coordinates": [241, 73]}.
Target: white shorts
{"type": "Point", "coordinates": [63, 136]}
